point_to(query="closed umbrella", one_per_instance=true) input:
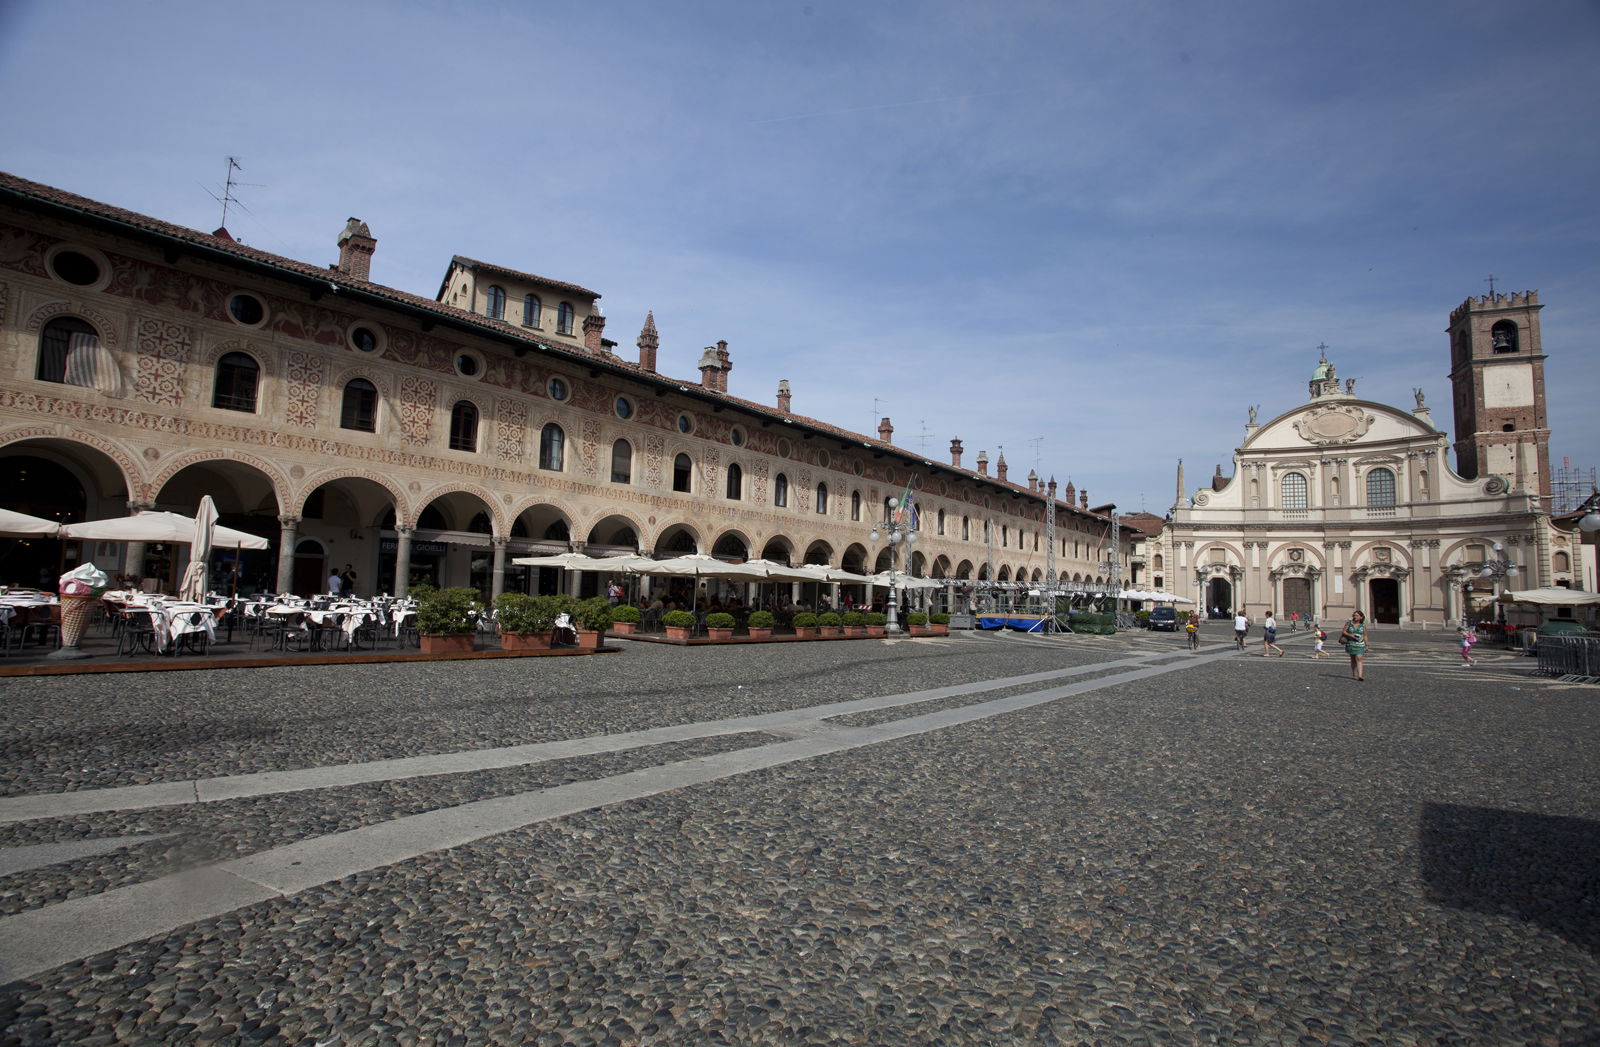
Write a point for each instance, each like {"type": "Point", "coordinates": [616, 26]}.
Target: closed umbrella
{"type": "Point", "coordinates": [194, 575]}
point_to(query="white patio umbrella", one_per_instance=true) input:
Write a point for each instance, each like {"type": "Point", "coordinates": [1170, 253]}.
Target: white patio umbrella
{"type": "Point", "coordinates": [782, 572]}
{"type": "Point", "coordinates": [21, 525]}
{"type": "Point", "coordinates": [154, 526]}
{"type": "Point", "coordinates": [572, 562]}
{"type": "Point", "coordinates": [699, 565]}
{"type": "Point", "coordinates": [905, 581]}
{"type": "Point", "coordinates": [193, 586]}
{"type": "Point", "coordinates": [1551, 596]}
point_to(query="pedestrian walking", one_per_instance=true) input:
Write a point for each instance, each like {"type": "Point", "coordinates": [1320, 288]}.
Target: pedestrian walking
{"type": "Point", "coordinates": [1469, 636]}
{"type": "Point", "coordinates": [1318, 651]}
{"type": "Point", "coordinates": [1269, 637]}
{"type": "Point", "coordinates": [1354, 638]}
{"type": "Point", "coordinates": [1241, 625]}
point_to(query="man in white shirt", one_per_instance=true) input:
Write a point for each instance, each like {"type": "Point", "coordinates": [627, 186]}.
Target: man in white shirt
{"type": "Point", "coordinates": [335, 583]}
{"type": "Point", "coordinates": [1241, 625]}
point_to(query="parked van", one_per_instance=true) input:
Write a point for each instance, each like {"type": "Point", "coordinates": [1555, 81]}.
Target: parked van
{"type": "Point", "coordinates": [1165, 618]}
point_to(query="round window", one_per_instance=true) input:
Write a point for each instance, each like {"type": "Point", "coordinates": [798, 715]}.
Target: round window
{"type": "Point", "coordinates": [75, 267]}
{"type": "Point", "coordinates": [858, 467]}
{"type": "Point", "coordinates": [557, 388]}
{"type": "Point", "coordinates": [624, 408]}
{"type": "Point", "coordinates": [468, 365]}
{"type": "Point", "coordinates": [785, 448]}
{"type": "Point", "coordinates": [737, 436]}
{"type": "Point", "coordinates": [246, 309]}
{"type": "Point", "coordinates": [364, 339]}
{"type": "Point", "coordinates": [685, 424]}
{"type": "Point", "coordinates": [824, 459]}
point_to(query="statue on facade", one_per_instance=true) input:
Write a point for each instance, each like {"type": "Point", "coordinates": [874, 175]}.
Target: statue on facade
{"type": "Point", "coordinates": [1420, 404]}
{"type": "Point", "coordinates": [1349, 385]}
{"type": "Point", "coordinates": [1253, 414]}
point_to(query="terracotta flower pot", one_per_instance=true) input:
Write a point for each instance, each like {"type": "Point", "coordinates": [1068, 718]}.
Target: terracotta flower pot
{"type": "Point", "coordinates": [877, 630]}
{"type": "Point", "coordinates": [590, 638]}
{"type": "Point", "coordinates": [719, 634]}
{"type": "Point", "coordinates": [921, 630]}
{"type": "Point", "coordinates": [677, 632]}
{"type": "Point", "coordinates": [805, 632]}
{"type": "Point", "coordinates": [831, 630]}
{"type": "Point", "coordinates": [855, 630]}
{"type": "Point", "coordinates": [525, 641]}
{"type": "Point", "coordinates": [623, 628]}
{"type": "Point", "coordinates": [445, 643]}
{"type": "Point", "coordinates": [940, 630]}
{"type": "Point", "coordinates": [760, 634]}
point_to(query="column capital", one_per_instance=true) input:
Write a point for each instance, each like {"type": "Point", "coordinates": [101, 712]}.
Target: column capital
{"type": "Point", "coordinates": [289, 521]}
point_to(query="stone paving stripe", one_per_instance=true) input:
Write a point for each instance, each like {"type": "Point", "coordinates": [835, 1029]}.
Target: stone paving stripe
{"type": "Point", "coordinates": [39, 939]}
{"type": "Point", "coordinates": [37, 856]}
{"type": "Point", "coordinates": [268, 783]}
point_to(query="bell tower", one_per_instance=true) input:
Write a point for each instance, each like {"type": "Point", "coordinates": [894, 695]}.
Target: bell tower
{"type": "Point", "coordinates": [1497, 377]}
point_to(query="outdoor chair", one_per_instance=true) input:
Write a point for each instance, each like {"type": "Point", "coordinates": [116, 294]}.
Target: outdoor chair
{"type": "Point", "coordinates": [44, 624]}
{"type": "Point", "coordinates": [136, 633]}
{"type": "Point", "coordinates": [193, 632]}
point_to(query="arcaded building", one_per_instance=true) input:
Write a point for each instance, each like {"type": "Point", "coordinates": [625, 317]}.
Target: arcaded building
{"type": "Point", "coordinates": [429, 439]}
{"type": "Point", "coordinates": [1344, 503]}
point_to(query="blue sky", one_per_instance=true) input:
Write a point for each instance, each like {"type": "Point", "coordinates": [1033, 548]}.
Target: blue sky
{"type": "Point", "coordinates": [1091, 234]}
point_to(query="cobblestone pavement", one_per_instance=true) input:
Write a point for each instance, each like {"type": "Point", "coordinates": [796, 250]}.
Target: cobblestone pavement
{"type": "Point", "coordinates": [977, 840]}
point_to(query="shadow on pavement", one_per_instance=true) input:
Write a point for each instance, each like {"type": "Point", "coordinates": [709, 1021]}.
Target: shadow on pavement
{"type": "Point", "coordinates": [1533, 867]}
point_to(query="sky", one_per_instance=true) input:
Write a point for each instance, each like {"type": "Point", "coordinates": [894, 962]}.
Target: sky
{"type": "Point", "coordinates": [1086, 235]}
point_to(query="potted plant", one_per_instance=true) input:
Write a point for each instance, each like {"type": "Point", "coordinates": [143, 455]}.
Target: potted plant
{"type": "Point", "coordinates": [854, 623]}
{"type": "Point", "coordinates": [624, 619]}
{"type": "Point", "coordinates": [719, 625]}
{"type": "Point", "coordinates": [592, 618]}
{"type": "Point", "coordinates": [445, 619]}
{"type": "Point", "coordinates": [759, 625]}
{"type": "Point", "coordinates": [678, 624]}
{"type": "Point", "coordinates": [876, 622]}
{"type": "Point", "coordinates": [805, 625]}
{"type": "Point", "coordinates": [525, 622]}
{"type": "Point", "coordinates": [939, 623]}
{"type": "Point", "coordinates": [917, 624]}
{"type": "Point", "coordinates": [829, 623]}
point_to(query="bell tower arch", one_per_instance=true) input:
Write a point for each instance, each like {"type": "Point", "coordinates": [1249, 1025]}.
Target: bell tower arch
{"type": "Point", "coordinates": [1497, 378]}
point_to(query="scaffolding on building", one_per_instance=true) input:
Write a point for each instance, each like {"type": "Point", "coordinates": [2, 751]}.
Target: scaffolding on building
{"type": "Point", "coordinates": [1570, 486]}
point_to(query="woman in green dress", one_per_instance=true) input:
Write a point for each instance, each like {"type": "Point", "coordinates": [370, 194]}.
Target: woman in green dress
{"type": "Point", "coordinates": [1354, 638]}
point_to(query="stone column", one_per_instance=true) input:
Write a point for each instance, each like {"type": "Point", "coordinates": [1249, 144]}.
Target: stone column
{"type": "Point", "coordinates": [288, 538]}
{"type": "Point", "coordinates": [497, 580]}
{"type": "Point", "coordinates": [402, 560]}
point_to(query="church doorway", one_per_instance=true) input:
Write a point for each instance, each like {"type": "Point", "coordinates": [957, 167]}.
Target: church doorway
{"type": "Point", "coordinates": [1296, 597]}
{"type": "Point", "coordinates": [1384, 596]}
{"type": "Point", "coordinates": [1219, 598]}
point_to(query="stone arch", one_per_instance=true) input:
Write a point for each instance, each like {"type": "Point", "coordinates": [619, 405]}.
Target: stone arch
{"type": "Point", "coordinates": [280, 480]}
{"type": "Point", "coordinates": [268, 361]}
{"type": "Point", "coordinates": [132, 483]}
{"type": "Point", "coordinates": [403, 510]}
{"type": "Point", "coordinates": [677, 539]}
{"type": "Point", "coordinates": [612, 521]}
{"type": "Point", "coordinates": [732, 542]}
{"type": "Point", "coordinates": [103, 324]}
{"type": "Point", "coordinates": [496, 510]}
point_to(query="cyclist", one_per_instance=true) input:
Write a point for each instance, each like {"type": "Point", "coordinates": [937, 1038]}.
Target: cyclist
{"type": "Point", "coordinates": [1193, 629]}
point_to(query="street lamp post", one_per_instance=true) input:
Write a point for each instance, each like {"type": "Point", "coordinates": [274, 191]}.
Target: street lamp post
{"type": "Point", "coordinates": [1497, 570]}
{"type": "Point", "coordinates": [900, 529]}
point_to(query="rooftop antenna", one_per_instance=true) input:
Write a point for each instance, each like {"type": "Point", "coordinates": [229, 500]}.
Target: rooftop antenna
{"type": "Point", "coordinates": [1037, 441]}
{"type": "Point", "coordinates": [922, 437]}
{"type": "Point", "coordinates": [227, 198]}
{"type": "Point", "coordinates": [875, 414]}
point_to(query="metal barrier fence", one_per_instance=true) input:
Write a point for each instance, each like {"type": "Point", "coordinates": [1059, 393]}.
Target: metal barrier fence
{"type": "Point", "coordinates": [1569, 656]}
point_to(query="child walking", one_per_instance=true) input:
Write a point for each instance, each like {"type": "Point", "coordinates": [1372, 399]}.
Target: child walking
{"type": "Point", "coordinates": [1317, 651]}
{"type": "Point", "coordinates": [1469, 636]}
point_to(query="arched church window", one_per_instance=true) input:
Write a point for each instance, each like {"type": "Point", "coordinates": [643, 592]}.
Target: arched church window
{"type": "Point", "coordinates": [1295, 490]}
{"type": "Point", "coordinates": [1380, 487]}
{"type": "Point", "coordinates": [1503, 337]}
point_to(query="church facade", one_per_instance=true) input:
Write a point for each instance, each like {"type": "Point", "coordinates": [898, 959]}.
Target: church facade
{"type": "Point", "coordinates": [434, 440]}
{"type": "Point", "coordinates": [1344, 503]}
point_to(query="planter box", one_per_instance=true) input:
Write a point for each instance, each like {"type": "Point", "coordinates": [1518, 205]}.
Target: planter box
{"type": "Point", "coordinates": [719, 634]}
{"type": "Point", "coordinates": [623, 628]}
{"type": "Point", "coordinates": [590, 638]}
{"type": "Point", "coordinates": [805, 632]}
{"type": "Point", "coordinates": [678, 632]}
{"type": "Point", "coordinates": [830, 630]}
{"type": "Point", "coordinates": [760, 634]}
{"type": "Point", "coordinates": [877, 630]}
{"type": "Point", "coordinates": [920, 630]}
{"type": "Point", "coordinates": [854, 630]}
{"type": "Point", "coordinates": [940, 630]}
{"type": "Point", "coordinates": [445, 643]}
{"type": "Point", "coordinates": [525, 641]}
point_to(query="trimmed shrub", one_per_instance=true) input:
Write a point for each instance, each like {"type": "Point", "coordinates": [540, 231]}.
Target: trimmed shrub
{"type": "Point", "coordinates": [874, 618]}
{"type": "Point", "coordinates": [594, 614]}
{"type": "Point", "coordinates": [678, 619]}
{"type": "Point", "coordinates": [829, 618]}
{"type": "Point", "coordinates": [719, 620]}
{"type": "Point", "coordinates": [447, 611]}
{"type": "Point", "coordinates": [760, 620]}
{"type": "Point", "coordinates": [521, 613]}
{"type": "Point", "coordinates": [625, 612]}
{"type": "Point", "coordinates": [916, 618]}
{"type": "Point", "coordinates": [805, 620]}
{"type": "Point", "coordinates": [852, 618]}
{"type": "Point", "coordinates": [939, 618]}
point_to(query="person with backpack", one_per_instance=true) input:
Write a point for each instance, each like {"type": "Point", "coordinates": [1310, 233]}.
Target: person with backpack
{"type": "Point", "coordinates": [1269, 637]}
{"type": "Point", "coordinates": [1317, 651]}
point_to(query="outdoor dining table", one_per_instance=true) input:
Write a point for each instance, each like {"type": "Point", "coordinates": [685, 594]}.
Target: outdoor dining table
{"type": "Point", "coordinates": [172, 620]}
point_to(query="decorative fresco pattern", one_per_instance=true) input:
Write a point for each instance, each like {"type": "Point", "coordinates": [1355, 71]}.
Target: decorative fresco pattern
{"type": "Point", "coordinates": [417, 397]}
{"type": "Point", "coordinates": [510, 425]}
{"type": "Point", "coordinates": [304, 373]}
{"type": "Point", "coordinates": [162, 349]}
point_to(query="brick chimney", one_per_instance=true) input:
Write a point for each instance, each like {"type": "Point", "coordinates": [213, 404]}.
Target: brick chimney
{"type": "Point", "coordinates": [1072, 493]}
{"type": "Point", "coordinates": [649, 341]}
{"type": "Point", "coordinates": [783, 395]}
{"type": "Point", "coordinates": [1000, 467]}
{"type": "Point", "coordinates": [1033, 480]}
{"type": "Point", "coordinates": [983, 463]}
{"type": "Point", "coordinates": [714, 368]}
{"type": "Point", "coordinates": [1052, 488]}
{"type": "Point", "coordinates": [593, 326]}
{"type": "Point", "coordinates": [355, 250]}
{"type": "Point", "coordinates": [955, 453]}
{"type": "Point", "coordinates": [886, 430]}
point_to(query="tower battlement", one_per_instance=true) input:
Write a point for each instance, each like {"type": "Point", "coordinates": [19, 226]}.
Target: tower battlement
{"type": "Point", "coordinates": [1512, 300]}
